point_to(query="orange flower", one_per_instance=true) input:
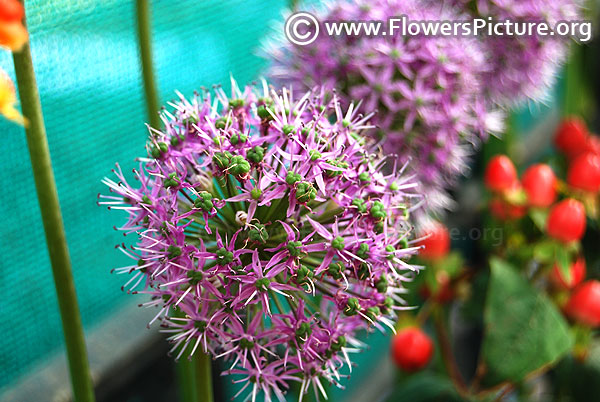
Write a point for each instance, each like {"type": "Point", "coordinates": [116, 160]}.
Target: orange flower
{"type": "Point", "coordinates": [8, 99]}
{"type": "Point", "coordinates": [13, 34]}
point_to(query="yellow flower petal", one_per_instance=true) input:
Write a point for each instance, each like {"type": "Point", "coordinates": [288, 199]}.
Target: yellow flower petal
{"type": "Point", "coordinates": [8, 99]}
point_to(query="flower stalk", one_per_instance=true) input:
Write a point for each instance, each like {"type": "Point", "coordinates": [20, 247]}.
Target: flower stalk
{"type": "Point", "coordinates": [145, 42]}
{"type": "Point", "coordinates": [204, 377]}
{"type": "Point", "coordinates": [53, 226]}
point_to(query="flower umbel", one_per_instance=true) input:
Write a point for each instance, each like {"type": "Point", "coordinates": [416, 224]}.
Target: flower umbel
{"type": "Point", "coordinates": [267, 234]}
{"type": "Point", "coordinates": [427, 90]}
{"type": "Point", "coordinates": [522, 67]}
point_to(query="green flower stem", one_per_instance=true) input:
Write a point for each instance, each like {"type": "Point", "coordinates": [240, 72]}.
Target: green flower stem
{"type": "Point", "coordinates": [145, 41]}
{"type": "Point", "coordinates": [186, 377]}
{"type": "Point", "coordinates": [53, 226]}
{"type": "Point", "coordinates": [203, 376]}
{"type": "Point", "coordinates": [194, 375]}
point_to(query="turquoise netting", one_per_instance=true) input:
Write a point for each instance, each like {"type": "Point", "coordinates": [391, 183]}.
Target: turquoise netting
{"type": "Point", "coordinates": [86, 59]}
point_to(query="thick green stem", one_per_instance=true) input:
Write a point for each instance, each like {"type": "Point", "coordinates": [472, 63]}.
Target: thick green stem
{"type": "Point", "coordinates": [53, 226]}
{"type": "Point", "coordinates": [145, 41]}
{"type": "Point", "coordinates": [186, 377]}
{"type": "Point", "coordinates": [204, 377]}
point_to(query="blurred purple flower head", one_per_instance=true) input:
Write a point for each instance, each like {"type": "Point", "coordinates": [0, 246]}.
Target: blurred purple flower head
{"type": "Point", "coordinates": [427, 90]}
{"type": "Point", "coordinates": [268, 233]}
{"type": "Point", "coordinates": [522, 68]}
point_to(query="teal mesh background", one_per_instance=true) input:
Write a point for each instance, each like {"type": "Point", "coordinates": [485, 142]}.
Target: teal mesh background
{"type": "Point", "coordinates": [86, 60]}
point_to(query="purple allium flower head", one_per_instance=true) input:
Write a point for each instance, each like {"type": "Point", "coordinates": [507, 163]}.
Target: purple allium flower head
{"type": "Point", "coordinates": [268, 233]}
{"type": "Point", "coordinates": [522, 67]}
{"type": "Point", "coordinates": [427, 90]}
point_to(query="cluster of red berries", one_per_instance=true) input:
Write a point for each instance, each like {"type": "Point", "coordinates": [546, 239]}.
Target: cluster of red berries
{"type": "Point", "coordinates": [583, 152]}
{"type": "Point", "coordinates": [566, 219]}
{"type": "Point", "coordinates": [536, 189]}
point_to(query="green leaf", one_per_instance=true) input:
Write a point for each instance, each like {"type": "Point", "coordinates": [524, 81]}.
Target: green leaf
{"type": "Point", "coordinates": [544, 251]}
{"type": "Point", "coordinates": [563, 261]}
{"type": "Point", "coordinates": [539, 218]}
{"type": "Point", "coordinates": [452, 264]}
{"type": "Point", "coordinates": [425, 387]}
{"type": "Point", "coordinates": [523, 330]}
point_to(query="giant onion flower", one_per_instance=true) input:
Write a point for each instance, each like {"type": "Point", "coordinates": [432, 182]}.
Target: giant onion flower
{"type": "Point", "coordinates": [267, 234]}
{"type": "Point", "coordinates": [522, 67]}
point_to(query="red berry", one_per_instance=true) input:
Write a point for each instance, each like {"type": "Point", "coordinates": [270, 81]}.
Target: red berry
{"type": "Point", "coordinates": [503, 211]}
{"type": "Point", "coordinates": [584, 304]}
{"type": "Point", "coordinates": [436, 242]}
{"type": "Point", "coordinates": [539, 183]}
{"type": "Point", "coordinates": [593, 145]}
{"type": "Point", "coordinates": [11, 11]}
{"type": "Point", "coordinates": [566, 221]}
{"type": "Point", "coordinates": [571, 136]}
{"type": "Point", "coordinates": [500, 174]}
{"type": "Point", "coordinates": [584, 173]}
{"type": "Point", "coordinates": [577, 271]}
{"type": "Point", "coordinates": [411, 349]}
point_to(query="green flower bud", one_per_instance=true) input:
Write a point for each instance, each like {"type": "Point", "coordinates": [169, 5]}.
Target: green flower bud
{"type": "Point", "coordinates": [258, 233]}
{"type": "Point", "coordinates": [303, 331]}
{"type": "Point", "coordinates": [352, 306]}
{"type": "Point", "coordinates": [221, 123]}
{"type": "Point", "coordinates": [391, 250]}
{"type": "Point", "coordinates": [304, 273]}
{"type": "Point", "coordinates": [200, 325]}
{"type": "Point", "coordinates": [255, 193]}
{"type": "Point", "coordinates": [291, 178]}
{"type": "Point", "coordinates": [364, 176]}
{"type": "Point", "coordinates": [238, 166]}
{"type": "Point", "coordinates": [237, 138]}
{"type": "Point", "coordinates": [172, 181]}
{"type": "Point", "coordinates": [363, 251]}
{"type": "Point", "coordinates": [204, 201]}
{"type": "Point", "coordinates": [338, 243]}
{"type": "Point", "coordinates": [288, 129]}
{"type": "Point", "coordinates": [293, 247]}
{"type": "Point", "coordinates": [222, 159]}
{"type": "Point", "coordinates": [373, 313]}
{"type": "Point", "coordinates": [236, 103]}
{"type": "Point", "coordinates": [382, 284]}
{"type": "Point", "coordinates": [224, 256]}
{"type": "Point", "coordinates": [195, 277]}
{"type": "Point", "coordinates": [256, 154]}
{"type": "Point", "coordinates": [363, 271]}
{"type": "Point", "coordinates": [338, 344]}
{"type": "Point", "coordinates": [359, 203]}
{"type": "Point", "coordinates": [378, 210]}
{"type": "Point", "coordinates": [314, 154]}
{"type": "Point", "coordinates": [263, 112]}
{"type": "Point", "coordinates": [335, 269]}
{"type": "Point", "coordinates": [173, 251]}
{"type": "Point", "coordinates": [305, 192]}
{"type": "Point", "coordinates": [262, 284]}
